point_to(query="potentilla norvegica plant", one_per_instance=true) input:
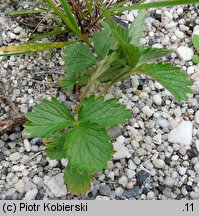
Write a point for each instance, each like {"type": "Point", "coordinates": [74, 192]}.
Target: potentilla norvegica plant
{"type": "Point", "coordinates": [99, 61]}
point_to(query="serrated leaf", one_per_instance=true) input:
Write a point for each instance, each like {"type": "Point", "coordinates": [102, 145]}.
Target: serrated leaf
{"type": "Point", "coordinates": [150, 54]}
{"type": "Point", "coordinates": [195, 40]}
{"type": "Point", "coordinates": [79, 57]}
{"type": "Point", "coordinates": [67, 82]}
{"type": "Point", "coordinates": [136, 29]}
{"type": "Point", "coordinates": [170, 77]}
{"type": "Point", "coordinates": [74, 78]}
{"type": "Point", "coordinates": [48, 117]}
{"type": "Point", "coordinates": [104, 113]}
{"type": "Point", "coordinates": [55, 146]}
{"type": "Point", "coordinates": [88, 147]}
{"type": "Point", "coordinates": [115, 65]}
{"type": "Point", "coordinates": [102, 42]}
{"type": "Point", "coordinates": [195, 59]}
{"type": "Point", "coordinates": [77, 182]}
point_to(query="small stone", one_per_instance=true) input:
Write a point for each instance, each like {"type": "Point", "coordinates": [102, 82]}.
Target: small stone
{"type": "Point", "coordinates": [119, 191]}
{"type": "Point", "coordinates": [142, 176]}
{"type": "Point", "coordinates": [182, 151]}
{"type": "Point", "coordinates": [197, 145]}
{"type": "Point", "coordinates": [2, 156]}
{"type": "Point", "coordinates": [196, 118]}
{"type": "Point", "coordinates": [182, 134]}
{"type": "Point", "coordinates": [39, 196]}
{"type": "Point", "coordinates": [105, 190]}
{"type": "Point", "coordinates": [12, 35]}
{"type": "Point", "coordinates": [64, 162]}
{"type": "Point", "coordinates": [158, 163]}
{"type": "Point", "coordinates": [52, 163]}
{"type": "Point", "coordinates": [123, 181]}
{"type": "Point", "coordinates": [130, 173]}
{"type": "Point", "coordinates": [134, 192]}
{"type": "Point", "coordinates": [179, 34]}
{"type": "Point", "coordinates": [157, 99]}
{"type": "Point", "coordinates": [17, 30]}
{"type": "Point", "coordinates": [146, 110]}
{"type": "Point", "coordinates": [164, 123]}
{"type": "Point", "coordinates": [196, 167]}
{"type": "Point", "coordinates": [121, 152]}
{"type": "Point", "coordinates": [30, 195]}
{"type": "Point", "coordinates": [27, 145]}
{"type": "Point", "coordinates": [36, 141]}
{"type": "Point", "coordinates": [102, 198]}
{"type": "Point", "coordinates": [2, 143]}
{"type": "Point", "coordinates": [130, 185]}
{"type": "Point", "coordinates": [20, 186]}
{"type": "Point", "coordinates": [185, 53]}
{"type": "Point", "coordinates": [169, 181]}
{"type": "Point", "coordinates": [114, 132]}
{"type": "Point", "coordinates": [194, 195]}
{"type": "Point", "coordinates": [15, 156]}
{"type": "Point", "coordinates": [56, 185]}
{"type": "Point", "coordinates": [150, 195]}
{"type": "Point", "coordinates": [192, 153]}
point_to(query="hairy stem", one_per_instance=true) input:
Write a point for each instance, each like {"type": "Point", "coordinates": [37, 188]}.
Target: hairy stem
{"type": "Point", "coordinates": [113, 82]}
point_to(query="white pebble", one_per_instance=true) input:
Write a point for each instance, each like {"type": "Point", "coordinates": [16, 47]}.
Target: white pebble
{"type": "Point", "coordinates": [157, 99]}
{"type": "Point", "coordinates": [146, 110]}
{"type": "Point", "coordinates": [184, 53]}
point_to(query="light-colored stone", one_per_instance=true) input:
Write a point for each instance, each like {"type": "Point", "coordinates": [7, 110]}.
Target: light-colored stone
{"type": "Point", "coordinates": [196, 117]}
{"type": "Point", "coordinates": [158, 163]}
{"type": "Point", "coordinates": [30, 195]}
{"type": "Point", "coordinates": [182, 134]}
{"type": "Point", "coordinates": [56, 185]}
{"type": "Point", "coordinates": [27, 145]}
{"type": "Point", "coordinates": [15, 156]}
{"type": "Point", "coordinates": [184, 53]}
{"type": "Point", "coordinates": [146, 110]}
{"type": "Point", "coordinates": [123, 181]}
{"type": "Point", "coordinates": [157, 99]}
{"type": "Point", "coordinates": [102, 198]}
{"type": "Point", "coordinates": [169, 181]}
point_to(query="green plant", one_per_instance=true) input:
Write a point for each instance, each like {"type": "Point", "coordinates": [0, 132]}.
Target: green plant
{"type": "Point", "coordinates": [98, 61]}
{"type": "Point", "coordinates": [195, 40]}
{"type": "Point", "coordinates": [80, 135]}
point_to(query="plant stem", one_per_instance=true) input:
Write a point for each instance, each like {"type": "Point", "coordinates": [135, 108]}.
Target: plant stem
{"type": "Point", "coordinates": [84, 94]}
{"type": "Point", "coordinates": [95, 89]}
{"type": "Point", "coordinates": [113, 82]}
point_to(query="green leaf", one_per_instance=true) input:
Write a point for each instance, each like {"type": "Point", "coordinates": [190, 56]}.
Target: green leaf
{"type": "Point", "coordinates": [195, 40]}
{"type": "Point", "coordinates": [32, 47]}
{"type": "Point", "coordinates": [150, 54]}
{"type": "Point", "coordinates": [67, 82]}
{"type": "Point", "coordinates": [24, 12]}
{"type": "Point", "coordinates": [55, 146]}
{"type": "Point", "coordinates": [195, 59]}
{"type": "Point", "coordinates": [140, 6]}
{"type": "Point", "coordinates": [136, 29]}
{"type": "Point", "coordinates": [72, 79]}
{"type": "Point", "coordinates": [113, 65]}
{"type": "Point", "coordinates": [67, 16]}
{"type": "Point", "coordinates": [104, 113]}
{"type": "Point", "coordinates": [102, 42]}
{"type": "Point", "coordinates": [170, 77]}
{"type": "Point", "coordinates": [48, 117]}
{"type": "Point", "coordinates": [79, 57]}
{"type": "Point", "coordinates": [78, 182]}
{"type": "Point", "coordinates": [88, 147]}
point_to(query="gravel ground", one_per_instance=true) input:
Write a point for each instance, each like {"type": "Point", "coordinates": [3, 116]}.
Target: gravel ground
{"type": "Point", "coordinates": [157, 152]}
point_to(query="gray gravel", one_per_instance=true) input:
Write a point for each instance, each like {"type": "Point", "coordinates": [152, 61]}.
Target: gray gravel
{"type": "Point", "coordinates": [157, 152]}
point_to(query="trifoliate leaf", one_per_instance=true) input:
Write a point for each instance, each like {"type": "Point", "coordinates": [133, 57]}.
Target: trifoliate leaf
{"type": "Point", "coordinates": [48, 117]}
{"type": "Point", "coordinates": [55, 146]}
{"type": "Point", "coordinates": [78, 57]}
{"type": "Point", "coordinates": [195, 40]}
{"type": "Point", "coordinates": [103, 42]}
{"type": "Point", "coordinates": [104, 113]}
{"type": "Point", "coordinates": [88, 147]}
{"type": "Point", "coordinates": [170, 77]}
{"type": "Point", "coordinates": [136, 29]}
{"type": "Point", "coordinates": [150, 54]}
{"type": "Point", "coordinates": [78, 182]}
{"type": "Point", "coordinates": [195, 59]}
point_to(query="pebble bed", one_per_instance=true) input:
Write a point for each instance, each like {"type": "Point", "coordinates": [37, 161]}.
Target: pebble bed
{"type": "Point", "coordinates": [156, 153]}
